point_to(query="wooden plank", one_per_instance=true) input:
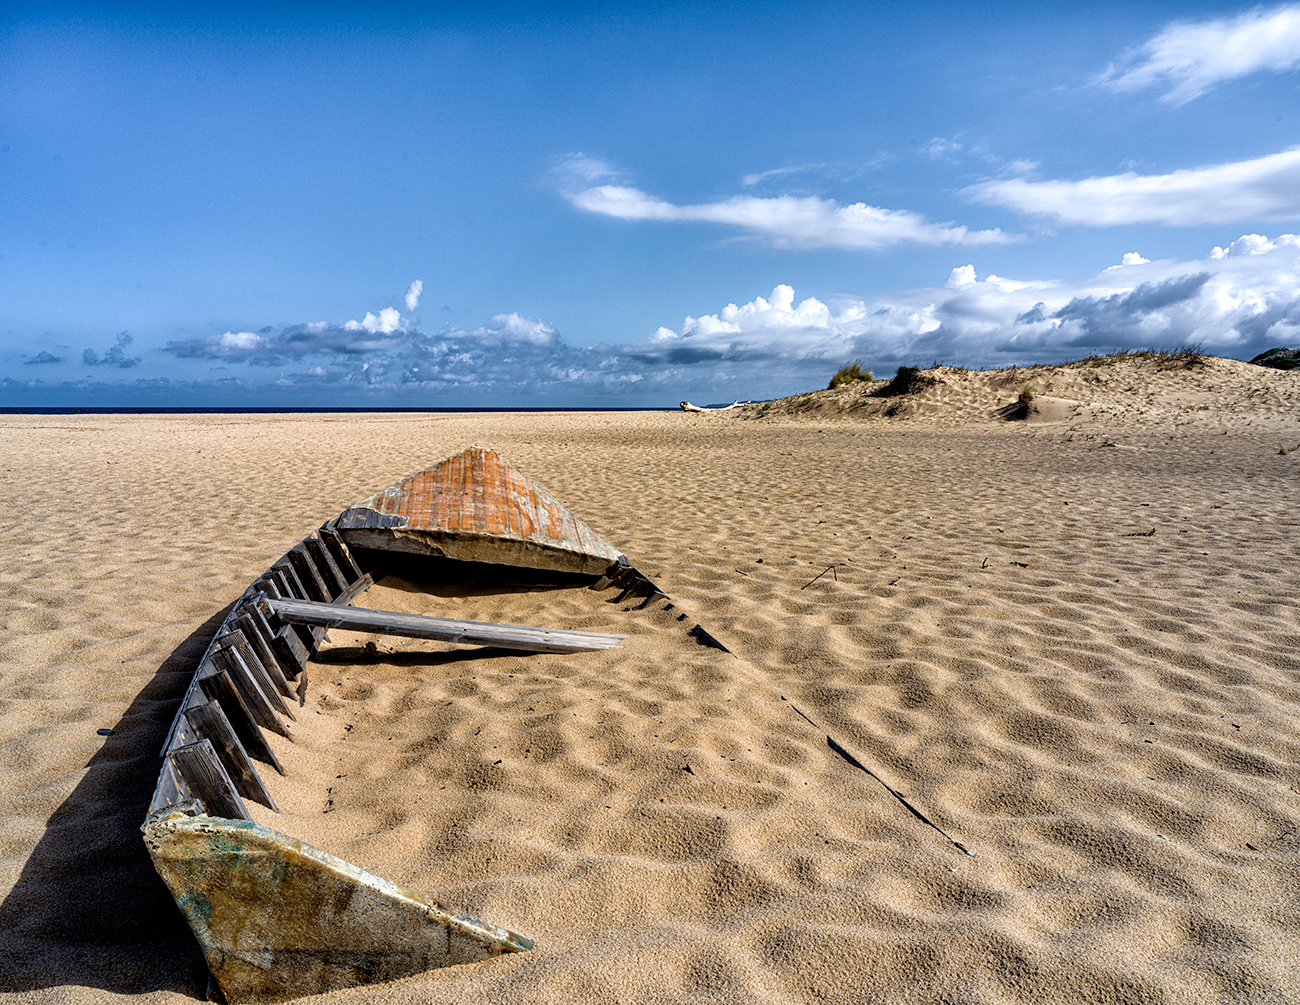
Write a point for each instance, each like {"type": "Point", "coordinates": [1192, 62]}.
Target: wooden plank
{"type": "Point", "coordinates": [289, 647]}
{"type": "Point", "coordinates": [309, 574]}
{"type": "Point", "coordinates": [269, 585]}
{"type": "Point", "coordinates": [356, 589]}
{"type": "Point", "coordinates": [282, 581]}
{"type": "Point", "coordinates": [286, 570]}
{"type": "Point", "coordinates": [265, 632]}
{"type": "Point", "coordinates": [294, 588]}
{"type": "Point", "coordinates": [342, 553]}
{"type": "Point", "coordinates": [333, 576]}
{"type": "Point", "coordinates": [360, 619]}
{"type": "Point", "coordinates": [248, 620]}
{"type": "Point", "coordinates": [236, 641]}
{"type": "Point", "coordinates": [171, 792]}
{"type": "Point", "coordinates": [217, 686]}
{"type": "Point", "coordinates": [209, 723]}
{"type": "Point", "coordinates": [254, 697]}
{"type": "Point", "coordinates": [199, 765]}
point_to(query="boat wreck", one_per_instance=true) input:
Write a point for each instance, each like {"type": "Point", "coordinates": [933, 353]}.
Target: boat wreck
{"type": "Point", "coordinates": [277, 918]}
{"type": "Point", "coordinates": [688, 407]}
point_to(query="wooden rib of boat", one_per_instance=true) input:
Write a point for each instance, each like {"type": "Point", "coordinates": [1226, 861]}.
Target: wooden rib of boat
{"type": "Point", "coordinates": [277, 918]}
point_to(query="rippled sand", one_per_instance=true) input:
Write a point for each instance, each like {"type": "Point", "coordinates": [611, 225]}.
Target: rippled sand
{"type": "Point", "coordinates": [1104, 716]}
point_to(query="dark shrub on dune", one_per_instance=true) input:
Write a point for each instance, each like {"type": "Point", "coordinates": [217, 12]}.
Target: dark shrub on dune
{"type": "Point", "coordinates": [908, 380]}
{"type": "Point", "coordinates": [1279, 359]}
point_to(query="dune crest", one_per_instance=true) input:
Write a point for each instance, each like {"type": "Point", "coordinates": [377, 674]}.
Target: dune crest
{"type": "Point", "coordinates": [1145, 391]}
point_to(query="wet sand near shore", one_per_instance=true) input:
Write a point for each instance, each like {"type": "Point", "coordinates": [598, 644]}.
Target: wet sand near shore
{"type": "Point", "coordinates": [1070, 646]}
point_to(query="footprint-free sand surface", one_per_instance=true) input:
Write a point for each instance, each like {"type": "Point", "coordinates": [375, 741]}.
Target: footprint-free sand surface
{"type": "Point", "coordinates": [1069, 645]}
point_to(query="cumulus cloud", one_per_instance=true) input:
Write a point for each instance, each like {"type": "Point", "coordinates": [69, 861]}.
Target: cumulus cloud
{"type": "Point", "coordinates": [380, 332]}
{"type": "Point", "coordinates": [115, 356]}
{"type": "Point", "coordinates": [413, 295]}
{"type": "Point", "coordinates": [1190, 58]}
{"type": "Point", "coordinates": [1265, 188]}
{"type": "Point", "coordinates": [786, 221]}
{"type": "Point", "coordinates": [1237, 300]}
{"type": "Point", "coordinates": [44, 357]}
{"type": "Point", "coordinates": [962, 275]}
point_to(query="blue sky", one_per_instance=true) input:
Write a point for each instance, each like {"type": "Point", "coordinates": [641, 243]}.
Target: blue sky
{"type": "Point", "coordinates": [617, 204]}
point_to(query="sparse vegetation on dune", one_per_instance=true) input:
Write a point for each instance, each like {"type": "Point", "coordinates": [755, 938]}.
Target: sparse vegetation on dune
{"type": "Point", "coordinates": [1182, 355]}
{"type": "Point", "coordinates": [1144, 385]}
{"type": "Point", "coordinates": [908, 380]}
{"type": "Point", "coordinates": [850, 373]}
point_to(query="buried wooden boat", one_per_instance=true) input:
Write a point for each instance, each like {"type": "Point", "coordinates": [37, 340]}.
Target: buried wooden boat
{"type": "Point", "coordinates": [276, 917]}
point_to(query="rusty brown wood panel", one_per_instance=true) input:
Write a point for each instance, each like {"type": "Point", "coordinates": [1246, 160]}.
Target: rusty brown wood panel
{"type": "Point", "coordinates": [479, 493]}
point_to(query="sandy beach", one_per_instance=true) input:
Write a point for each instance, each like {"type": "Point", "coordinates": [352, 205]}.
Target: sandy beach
{"type": "Point", "coordinates": [1069, 641]}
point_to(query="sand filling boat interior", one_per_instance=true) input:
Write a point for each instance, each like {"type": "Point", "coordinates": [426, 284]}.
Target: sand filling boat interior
{"type": "Point", "coordinates": [275, 916]}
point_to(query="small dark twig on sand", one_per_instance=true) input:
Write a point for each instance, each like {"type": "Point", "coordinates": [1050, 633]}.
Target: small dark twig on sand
{"type": "Point", "coordinates": [830, 568]}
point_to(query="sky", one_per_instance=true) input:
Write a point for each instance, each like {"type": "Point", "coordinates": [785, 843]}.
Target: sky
{"type": "Point", "coordinates": [611, 204]}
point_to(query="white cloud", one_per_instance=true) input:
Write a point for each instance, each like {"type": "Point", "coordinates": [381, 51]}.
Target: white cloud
{"type": "Point", "coordinates": [785, 221]}
{"type": "Point", "coordinates": [1236, 301]}
{"type": "Point", "coordinates": [750, 180]}
{"type": "Point", "coordinates": [1190, 58]}
{"type": "Point", "coordinates": [387, 321]}
{"type": "Point", "coordinates": [1133, 258]}
{"type": "Point", "coordinates": [1266, 188]}
{"type": "Point", "coordinates": [962, 275]}
{"type": "Point", "coordinates": [791, 221]}
{"type": "Point", "coordinates": [413, 295]}
{"type": "Point", "coordinates": [1020, 166]}
{"type": "Point", "coordinates": [943, 149]}
{"type": "Point", "coordinates": [586, 169]}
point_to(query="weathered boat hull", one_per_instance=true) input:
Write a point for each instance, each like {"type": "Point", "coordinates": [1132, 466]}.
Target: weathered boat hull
{"type": "Point", "coordinates": [278, 918]}
{"type": "Point", "coordinates": [475, 507]}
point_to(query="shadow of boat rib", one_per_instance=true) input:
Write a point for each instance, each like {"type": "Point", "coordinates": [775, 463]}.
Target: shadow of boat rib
{"type": "Point", "coordinates": [88, 909]}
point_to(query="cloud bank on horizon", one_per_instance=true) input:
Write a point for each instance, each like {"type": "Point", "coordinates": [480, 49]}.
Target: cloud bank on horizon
{"type": "Point", "coordinates": [1237, 301]}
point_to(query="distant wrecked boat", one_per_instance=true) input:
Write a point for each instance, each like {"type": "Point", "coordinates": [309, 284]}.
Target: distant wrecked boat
{"type": "Point", "coordinates": [688, 407]}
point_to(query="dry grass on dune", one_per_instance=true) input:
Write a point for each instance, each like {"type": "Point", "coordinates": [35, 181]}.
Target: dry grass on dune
{"type": "Point", "coordinates": [1138, 389]}
{"type": "Point", "coordinates": [1070, 646]}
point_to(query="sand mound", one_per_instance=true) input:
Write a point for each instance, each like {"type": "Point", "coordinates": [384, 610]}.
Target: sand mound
{"type": "Point", "coordinates": [1138, 390]}
{"type": "Point", "coordinates": [1076, 660]}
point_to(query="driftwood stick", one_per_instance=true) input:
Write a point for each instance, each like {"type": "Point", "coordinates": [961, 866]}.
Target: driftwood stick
{"type": "Point", "coordinates": [830, 568]}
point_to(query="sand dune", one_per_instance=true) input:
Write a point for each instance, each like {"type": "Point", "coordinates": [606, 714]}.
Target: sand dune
{"type": "Point", "coordinates": [1138, 391]}
{"type": "Point", "coordinates": [1070, 645]}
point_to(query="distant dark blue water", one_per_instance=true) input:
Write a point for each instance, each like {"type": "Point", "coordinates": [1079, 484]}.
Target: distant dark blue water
{"type": "Point", "coordinates": [237, 410]}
